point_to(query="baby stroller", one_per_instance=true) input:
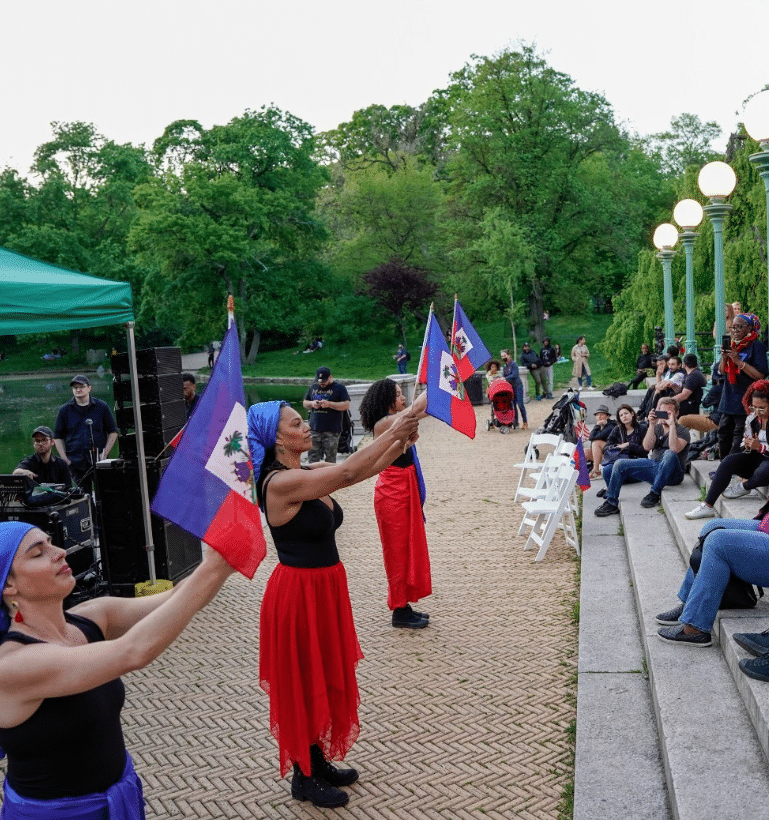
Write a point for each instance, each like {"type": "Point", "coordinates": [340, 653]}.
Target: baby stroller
{"type": "Point", "coordinates": [502, 400]}
{"type": "Point", "coordinates": [567, 418]}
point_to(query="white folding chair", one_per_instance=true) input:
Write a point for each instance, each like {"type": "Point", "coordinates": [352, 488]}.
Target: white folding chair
{"type": "Point", "coordinates": [553, 512]}
{"type": "Point", "coordinates": [544, 477]}
{"type": "Point", "coordinates": [531, 463]}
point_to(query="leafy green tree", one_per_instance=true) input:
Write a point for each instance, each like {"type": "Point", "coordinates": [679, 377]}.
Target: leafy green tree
{"type": "Point", "coordinates": [527, 141]}
{"type": "Point", "coordinates": [386, 137]}
{"type": "Point", "coordinates": [688, 142]}
{"type": "Point", "coordinates": [232, 212]}
{"type": "Point", "coordinates": [374, 214]}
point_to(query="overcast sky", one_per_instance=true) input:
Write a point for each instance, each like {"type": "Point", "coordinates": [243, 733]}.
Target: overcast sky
{"type": "Point", "coordinates": [132, 68]}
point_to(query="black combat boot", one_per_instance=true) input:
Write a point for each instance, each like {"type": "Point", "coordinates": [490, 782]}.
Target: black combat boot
{"type": "Point", "coordinates": [333, 775]}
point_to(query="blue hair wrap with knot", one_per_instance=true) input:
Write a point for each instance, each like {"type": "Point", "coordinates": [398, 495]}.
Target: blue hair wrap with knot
{"type": "Point", "coordinates": [11, 535]}
{"type": "Point", "coordinates": [263, 421]}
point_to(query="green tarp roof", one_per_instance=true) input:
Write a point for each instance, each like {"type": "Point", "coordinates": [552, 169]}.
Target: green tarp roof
{"type": "Point", "coordinates": [39, 298]}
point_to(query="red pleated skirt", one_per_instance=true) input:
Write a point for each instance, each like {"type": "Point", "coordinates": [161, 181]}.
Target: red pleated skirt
{"type": "Point", "coordinates": [402, 531]}
{"type": "Point", "coordinates": [308, 651]}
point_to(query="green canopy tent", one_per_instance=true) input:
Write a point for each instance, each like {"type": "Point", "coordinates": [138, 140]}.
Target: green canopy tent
{"type": "Point", "coordinates": [36, 297]}
{"type": "Point", "coordinates": [39, 298]}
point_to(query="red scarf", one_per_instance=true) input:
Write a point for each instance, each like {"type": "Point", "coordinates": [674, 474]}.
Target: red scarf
{"type": "Point", "coordinates": [731, 368]}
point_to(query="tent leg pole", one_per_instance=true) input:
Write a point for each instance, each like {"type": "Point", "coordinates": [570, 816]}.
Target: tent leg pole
{"type": "Point", "coordinates": [143, 485]}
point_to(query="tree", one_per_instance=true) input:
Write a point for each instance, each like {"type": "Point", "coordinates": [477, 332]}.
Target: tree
{"type": "Point", "coordinates": [400, 290]}
{"type": "Point", "coordinates": [232, 212]}
{"type": "Point", "coordinates": [688, 142]}
{"type": "Point", "coordinates": [385, 137]}
{"type": "Point", "coordinates": [374, 214]}
{"type": "Point", "coordinates": [527, 141]}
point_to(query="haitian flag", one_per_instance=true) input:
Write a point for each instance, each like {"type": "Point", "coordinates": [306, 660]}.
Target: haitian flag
{"type": "Point", "coordinates": [446, 397]}
{"type": "Point", "coordinates": [580, 464]}
{"type": "Point", "coordinates": [208, 486]}
{"type": "Point", "coordinates": [468, 350]}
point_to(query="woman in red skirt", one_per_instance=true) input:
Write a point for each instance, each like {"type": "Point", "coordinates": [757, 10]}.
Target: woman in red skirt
{"type": "Point", "coordinates": [398, 499]}
{"type": "Point", "coordinates": [308, 649]}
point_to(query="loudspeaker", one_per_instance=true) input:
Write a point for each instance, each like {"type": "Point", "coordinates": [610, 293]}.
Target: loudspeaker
{"type": "Point", "coordinates": [155, 441]}
{"type": "Point", "coordinates": [152, 389]}
{"type": "Point", "coordinates": [151, 362]}
{"type": "Point", "coordinates": [165, 416]}
{"type": "Point", "coordinates": [123, 540]}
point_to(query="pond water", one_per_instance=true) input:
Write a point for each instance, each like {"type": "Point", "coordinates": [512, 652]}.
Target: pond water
{"type": "Point", "coordinates": [28, 403]}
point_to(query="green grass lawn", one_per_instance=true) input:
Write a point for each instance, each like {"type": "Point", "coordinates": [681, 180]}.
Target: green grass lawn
{"type": "Point", "coordinates": [370, 359]}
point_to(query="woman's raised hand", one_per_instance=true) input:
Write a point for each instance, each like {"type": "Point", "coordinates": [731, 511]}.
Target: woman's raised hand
{"type": "Point", "coordinates": [405, 426]}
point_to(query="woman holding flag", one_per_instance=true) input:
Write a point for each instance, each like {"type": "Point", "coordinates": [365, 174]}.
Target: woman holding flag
{"type": "Point", "coordinates": [308, 649]}
{"type": "Point", "coordinates": [60, 687]}
{"type": "Point", "coordinates": [398, 499]}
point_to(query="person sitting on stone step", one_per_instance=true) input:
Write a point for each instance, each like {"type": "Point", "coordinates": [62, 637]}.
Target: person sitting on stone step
{"type": "Point", "coordinates": [668, 445]}
{"type": "Point", "coordinates": [751, 464]}
{"type": "Point", "coordinates": [730, 546]}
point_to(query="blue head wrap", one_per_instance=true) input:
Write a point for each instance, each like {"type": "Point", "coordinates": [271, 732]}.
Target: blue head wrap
{"type": "Point", "coordinates": [11, 535]}
{"type": "Point", "coordinates": [751, 320]}
{"type": "Point", "coordinates": [263, 421]}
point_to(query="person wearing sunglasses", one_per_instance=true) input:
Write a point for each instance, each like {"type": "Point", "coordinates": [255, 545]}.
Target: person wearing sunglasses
{"type": "Point", "coordinates": [751, 464]}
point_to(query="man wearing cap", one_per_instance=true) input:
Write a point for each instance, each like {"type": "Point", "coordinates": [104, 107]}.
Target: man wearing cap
{"type": "Point", "coordinates": [76, 438]}
{"type": "Point", "coordinates": [44, 466]}
{"type": "Point", "coordinates": [599, 435]}
{"type": "Point", "coordinates": [326, 400]}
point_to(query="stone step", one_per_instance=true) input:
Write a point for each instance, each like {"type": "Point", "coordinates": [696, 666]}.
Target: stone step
{"type": "Point", "coordinates": [714, 764]}
{"type": "Point", "coordinates": [618, 771]}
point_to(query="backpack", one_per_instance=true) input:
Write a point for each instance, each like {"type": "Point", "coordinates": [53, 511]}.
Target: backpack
{"type": "Point", "coordinates": [738, 594]}
{"type": "Point", "coordinates": [408, 356]}
{"type": "Point", "coordinates": [346, 436]}
{"type": "Point", "coordinates": [615, 390]}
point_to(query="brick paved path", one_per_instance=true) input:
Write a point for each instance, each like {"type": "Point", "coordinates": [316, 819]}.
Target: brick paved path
{"type": "Point", "coordinates": [465, 719]}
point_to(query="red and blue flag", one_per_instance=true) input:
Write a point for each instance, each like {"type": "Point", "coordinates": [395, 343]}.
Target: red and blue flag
{"type": "Point", "coordinates": [580, 464]}
{"type": "Point", "coordinates": [208, 486]}
{"type": "Point", "coordinates": [446, 396]}
{"type": "Point", "coordinates": [468, 350]}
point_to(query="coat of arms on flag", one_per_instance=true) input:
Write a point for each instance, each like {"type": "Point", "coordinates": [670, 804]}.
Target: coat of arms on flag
{"type": "Point", "coordinates": [208, 486]}
{"type": "Point", "coordinates": [446, 396]}
{"type": "Point", "coordinates": [467, 348]}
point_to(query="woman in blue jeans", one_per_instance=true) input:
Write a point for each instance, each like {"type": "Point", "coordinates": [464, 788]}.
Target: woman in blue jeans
{"type": "Point", "coordinates": [732, 546]}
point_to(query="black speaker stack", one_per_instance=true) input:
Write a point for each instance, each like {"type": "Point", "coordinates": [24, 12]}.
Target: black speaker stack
{"type": "Point", "coordinates": [123, 536]}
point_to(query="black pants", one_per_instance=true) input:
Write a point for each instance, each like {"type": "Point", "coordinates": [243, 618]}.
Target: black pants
{"type": "Point", "coordinates": [731, 430]}
{"type": "Point", "coordinates": [640, 375]}
{"type": "Point", "coordinates": [752, 466]}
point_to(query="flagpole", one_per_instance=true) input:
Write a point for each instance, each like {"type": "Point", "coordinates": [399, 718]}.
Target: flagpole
{"type": "Point", "coordinates": [424, 342]}
{"type": "Point", "coordinates": [452, 344]}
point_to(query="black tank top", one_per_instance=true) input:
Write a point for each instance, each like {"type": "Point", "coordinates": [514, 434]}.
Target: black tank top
{"type": "Point", "coordinates": [72, 745]}
{"type": "Point", "coordinates": [405, 460]}
{"type": "Point", "coordinates": [307, 540]}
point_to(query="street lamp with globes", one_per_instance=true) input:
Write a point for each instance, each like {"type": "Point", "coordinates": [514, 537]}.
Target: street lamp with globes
{"type": "Point", "coordinates": [717, 181]}
{"type": "Point", "coordinates": [664, 238]}
{"type": "Point", "coordinates": [756, 122]}
{"type": "Point", "coordinates": [688, 214]}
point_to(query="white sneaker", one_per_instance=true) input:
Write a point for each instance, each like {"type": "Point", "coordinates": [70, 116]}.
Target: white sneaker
{"type": "Point", "coordinates": [736, 490]}
{"type": "Point", "coordinates": [702, 511]}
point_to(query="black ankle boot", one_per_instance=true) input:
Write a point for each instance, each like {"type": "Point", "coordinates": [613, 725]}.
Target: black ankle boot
{"type": "Point", "coordinates": [317, 790]}
{"type": "Point", "coordinates": [405, 618]}
{"type": "Point", "coordinates": [333, 775]}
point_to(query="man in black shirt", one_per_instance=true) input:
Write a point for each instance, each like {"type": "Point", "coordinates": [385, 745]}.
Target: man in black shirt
{"type": "Point", "coordinates": [326, 400]}
{"type": "Point", "coordinates": [191, 398]}
{"type": "Point", "coordinates": [43, 466]}
{"type": "Point", "coordinates": [85, 431]}
{"type": "Point", "coordinates": [548, 358]}
{"type": "Point", "coordinates": [689, 398]}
